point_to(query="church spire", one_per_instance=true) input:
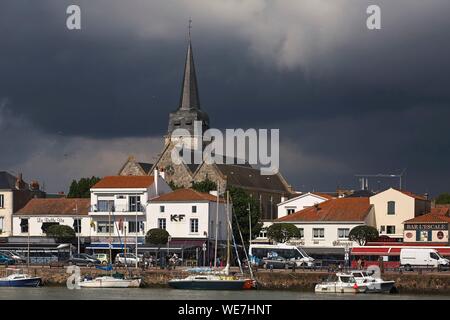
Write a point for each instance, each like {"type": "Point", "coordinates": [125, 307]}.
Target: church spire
{"type": "Point", "coordinates": [189, 91]}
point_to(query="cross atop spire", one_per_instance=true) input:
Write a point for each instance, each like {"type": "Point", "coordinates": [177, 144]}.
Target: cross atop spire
{"type": "Point", "coordinates": [190, 27]}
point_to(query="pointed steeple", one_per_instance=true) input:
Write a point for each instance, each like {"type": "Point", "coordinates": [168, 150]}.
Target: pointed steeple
{"type": "Point", "coordinates": [188, 110]}
{"type": "Point", "coordinates": [189, 90]}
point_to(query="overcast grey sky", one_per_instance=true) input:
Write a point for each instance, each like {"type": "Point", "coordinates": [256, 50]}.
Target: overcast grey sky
{"type": "Point", "coordinates": [347, 100]}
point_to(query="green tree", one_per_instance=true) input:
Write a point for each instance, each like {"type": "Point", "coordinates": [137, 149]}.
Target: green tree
{"type": "Point", "coordinates": [174, 186]}
{"type": "Point", "coordinates": [443, 198]}
{"type": "Point", "coordinates": [61, 233]}
{"type": "Point", "coordinates": [242, 201]}
{"type": "Point", "coordinates": [204, 186]}
{"type": "Point", "coordinates": [283, 232]}
{"type": "Point", "coordinates": [157, 237]}
{"type": "Point", "coordinates": [81, 188]}
{"type": "Point", "coordinates": [363, 234]}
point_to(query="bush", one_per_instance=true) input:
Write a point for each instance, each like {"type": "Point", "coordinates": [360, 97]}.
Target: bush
{"type": "Point", "coordinates": [363, 234]}
{"type": "Point", "coordinates": [61, 233]}
{"type": "Point", "coordinates": [283, 232]}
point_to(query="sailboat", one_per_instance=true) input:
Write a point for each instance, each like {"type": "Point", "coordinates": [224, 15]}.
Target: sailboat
{"type": "Point", "coordinates": [216, 279]}
{"type": "Point", "coordinates": [113, 280]}
{"type": "Point", "coordinates": [16, 278]}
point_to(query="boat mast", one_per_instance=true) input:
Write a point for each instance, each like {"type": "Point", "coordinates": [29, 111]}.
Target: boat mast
{"type": "Point", "coordinates": [110, 238]}
{"type": "Point", "coordinates": [217, 226]}
{"type": "Point", "coordinates": [227, 268]}
{"type": "Point", "coordinates": [243, 245]}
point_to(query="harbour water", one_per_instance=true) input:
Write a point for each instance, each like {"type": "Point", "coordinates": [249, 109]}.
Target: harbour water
{"type": "Point", "coordinates": [58, 293]}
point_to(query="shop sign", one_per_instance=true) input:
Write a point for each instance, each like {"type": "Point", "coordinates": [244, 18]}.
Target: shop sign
{"type": "Point", "coordinates": [428, 226]}
{"type": "Point", "coordinates": [43, 220]}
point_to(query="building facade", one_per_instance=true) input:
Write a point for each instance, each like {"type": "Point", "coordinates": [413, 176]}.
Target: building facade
{"type": "Point", "coordinates": [328, 224]}
{"type": "Point", "coordinates": [429, 228]}
{"type": "Point", "coordinates": [118, 207]}
{"type": "Point", "coordinates": [38, 215]}
{"type": "Point", "coordinates": [300, 202]}
{"type": "Point", "coordinates": [393, 207]}
{"type": "Point", "coordinates": [14, 195]}
{"type": "Point", "coordinates": [189, 216]}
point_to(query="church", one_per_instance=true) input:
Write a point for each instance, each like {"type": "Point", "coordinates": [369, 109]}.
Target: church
{"type": "Point", "coordinates": [268, 190]}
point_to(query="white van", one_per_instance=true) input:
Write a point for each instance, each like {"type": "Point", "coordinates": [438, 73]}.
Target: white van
{"type": "Point", "coordinates": [259, 252]}
{"type": "Point", "coordinates": [422, 257]}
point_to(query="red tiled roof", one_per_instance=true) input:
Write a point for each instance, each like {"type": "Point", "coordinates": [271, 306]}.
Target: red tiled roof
{"type": "Point", "coordinates": [58, 206]}
{"type": "Point", "coordinates": [187, 195]}
{"type": "Point", "coordinates": [115, 182]}
{"type": "Point", "coordinates": [429, 218]}
{"type": "Point", "coordinates": [323, 195]}
{"type": "Point", "coordinates": [411, 194]}
{"type": "Point", "coordinates": [440, 211]}
{"type": "Point", "coordinates": [342, 209]}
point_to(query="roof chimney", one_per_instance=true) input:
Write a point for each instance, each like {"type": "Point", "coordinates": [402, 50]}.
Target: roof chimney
{"type": "Point", "coordinates": [20, 184]}
{"type": "Point", "coordinates": [34, 185]}
{"type": "Point", "coordinates": [156, 177]}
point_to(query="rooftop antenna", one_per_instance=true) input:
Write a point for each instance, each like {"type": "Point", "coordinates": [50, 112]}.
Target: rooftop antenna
{"type": "Point", "coordinates": [364, 178]}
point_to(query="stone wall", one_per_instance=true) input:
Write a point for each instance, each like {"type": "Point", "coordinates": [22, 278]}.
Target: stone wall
{"type": "Point", "coordinates": [427, 283]}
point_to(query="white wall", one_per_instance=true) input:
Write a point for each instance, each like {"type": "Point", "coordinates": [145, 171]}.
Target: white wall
{"type": "Point", "coordinates": [35, 224]}
{"type": "Point", "coordinates": [206, 215]}
{"type": "Point", "coordinates": [299, 203]}
{"type": "Point", "coordinates": [330, 238]}
{"type": "Point", "coordinates": [404, 210]}
{"type": "Point", "coordinates": [6, 212]}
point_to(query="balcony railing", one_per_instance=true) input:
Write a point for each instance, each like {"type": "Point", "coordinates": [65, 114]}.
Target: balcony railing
{"type": "Point", "coordinates": [117, 208]}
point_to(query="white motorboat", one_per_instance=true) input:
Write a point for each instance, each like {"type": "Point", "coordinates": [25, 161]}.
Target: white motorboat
{"type": "Point", "coordinates": [341, 283]}
{"type": "Point", "coordinates": [110, 282]}
{"type": "Point", "coordinates": [374, 284]}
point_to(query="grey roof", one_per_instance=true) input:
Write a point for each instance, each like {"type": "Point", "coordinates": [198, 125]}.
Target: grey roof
{"type": "Point", "coordinates": [7, 180]}
{"type": "Point", "coordinates": [189, 91]}
{"type": "Point", "coordinates": [361, 194]}
{"type": "Point", "coordinates": [246, 176]}
{"type": "Point", "coordinates": [146, 166]}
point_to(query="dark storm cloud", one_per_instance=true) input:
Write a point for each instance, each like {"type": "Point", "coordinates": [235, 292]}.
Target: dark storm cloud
{"type": "Point", "coordinates": [346, 99]}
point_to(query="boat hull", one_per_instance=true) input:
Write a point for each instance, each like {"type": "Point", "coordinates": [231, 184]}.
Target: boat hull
{"type": "Point", "coordinates": [380, 287]}
{"type": "Point", "coordinates": [330, 288]}
{"type": "Point", "coordinates": [27, 282]}
{"type": "Point", "coordinates": [208, 285]}
{"type": "Point", "coordinates": [111, 283]}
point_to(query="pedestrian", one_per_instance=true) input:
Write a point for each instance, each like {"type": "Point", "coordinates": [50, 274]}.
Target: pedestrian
{"type": "Point", "coordinates": [359, 263]}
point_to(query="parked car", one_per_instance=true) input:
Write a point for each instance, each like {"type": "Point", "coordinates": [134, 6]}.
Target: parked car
{"type": "Point", "coordinates": [102, 257]}
{"type": "Point", "coordinates": [129, 259]}
{"type": "Point", "coordinates": [83, 259]}
{"type": "Point", "coordinates": [14, 255]}
{"type": "Point", "coordinates": [4, 259]}
{"type": "Point", "coordinates": [278, 263]}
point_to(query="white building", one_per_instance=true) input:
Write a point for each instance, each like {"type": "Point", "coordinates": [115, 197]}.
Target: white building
{"type": "Point", "coordinates": [393, 207]}
{"type": "Point", "coordinates": [119, 205]}
{"type": "Point", "coordinates": [290, 206]}
{"type": "Point", "coordinates": [327, 225]}
{"type": "Point", "coordinates": [39, 214]}
{"type": "Point", "coordinates": [14, 194]}
{"type": "Point", "coordinates": [188, 216]}
{"type": "Point", "coordinates": [300, 202]}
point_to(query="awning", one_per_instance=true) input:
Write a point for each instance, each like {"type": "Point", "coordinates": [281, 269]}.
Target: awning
{"type": "Point", "coordinates": [312, 251]}
{"type": "Point", "coordinates": [107, 246]}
